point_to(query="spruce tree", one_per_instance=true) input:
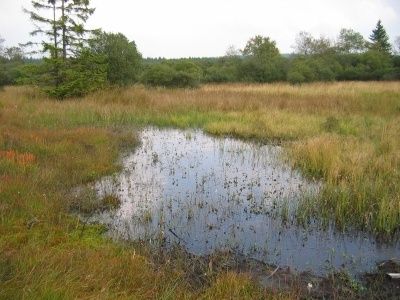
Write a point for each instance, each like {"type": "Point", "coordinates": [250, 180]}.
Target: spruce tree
{"type": "Point", "coordinates": [74, 15]}
{"type": "Point", "coordinates": [65, 31]}
{"type": "Point", "coordinates": [64, 41]}
{"type": "Point", "coordinates": [380, 39]}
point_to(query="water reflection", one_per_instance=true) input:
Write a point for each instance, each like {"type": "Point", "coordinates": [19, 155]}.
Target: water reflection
{"type": "Point", "coordinates": [209, 194]}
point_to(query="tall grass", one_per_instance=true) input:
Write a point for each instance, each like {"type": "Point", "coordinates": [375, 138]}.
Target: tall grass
{"type": "Point", "coordinates": [346, 133]}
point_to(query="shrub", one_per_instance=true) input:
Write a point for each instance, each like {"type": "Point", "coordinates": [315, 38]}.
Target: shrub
{"type": "Point", "coordinates": [295, 77]}
{"type": "Point", "coordinates": [179, 75]}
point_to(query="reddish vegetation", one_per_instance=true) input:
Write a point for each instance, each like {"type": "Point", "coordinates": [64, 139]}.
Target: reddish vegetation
{"type": "Point", "coordinates": [19, 158]}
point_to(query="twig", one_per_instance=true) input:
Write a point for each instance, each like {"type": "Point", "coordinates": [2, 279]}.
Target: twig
{"type": "Point", "coordinates": [273, 273]}
{"type": "Point", "coordinates": [179, 238]}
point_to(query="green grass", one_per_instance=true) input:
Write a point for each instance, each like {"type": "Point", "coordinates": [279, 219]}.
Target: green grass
{"type": "Point", "coordinates": [347, 134]}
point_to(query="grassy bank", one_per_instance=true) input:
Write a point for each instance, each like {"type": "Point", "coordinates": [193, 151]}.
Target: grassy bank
{"type": "Point", "coordinates": [346, 133]}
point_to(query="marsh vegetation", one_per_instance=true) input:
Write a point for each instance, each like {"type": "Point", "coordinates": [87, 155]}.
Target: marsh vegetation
{"type": "Point", "coordinates": [344, 134]}
{"type": "Point", "coordinates": [255, 174]}
{"type": "Point", "coordinates": [211, 194]}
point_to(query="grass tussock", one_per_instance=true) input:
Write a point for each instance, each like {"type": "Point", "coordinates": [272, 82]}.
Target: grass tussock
{"type": "Point", "coordinates": [345, 133]}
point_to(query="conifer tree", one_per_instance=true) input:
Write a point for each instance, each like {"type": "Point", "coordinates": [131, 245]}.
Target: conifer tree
{"type": "Point", "coordinates": [64, 41]}
{"type": "Point", "coordinates": [380, 39]}
{"type": "Point", "coordinates": [65, 30]}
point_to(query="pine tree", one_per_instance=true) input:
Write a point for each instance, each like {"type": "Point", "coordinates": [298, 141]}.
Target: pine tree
{"type": "Point", "coordinates": [380, 39]}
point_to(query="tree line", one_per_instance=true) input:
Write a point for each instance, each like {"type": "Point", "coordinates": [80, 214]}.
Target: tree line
{"type": "Point", "coordinates": [76, 60]}
{"type": "Point", "coordinates": [349, 57]}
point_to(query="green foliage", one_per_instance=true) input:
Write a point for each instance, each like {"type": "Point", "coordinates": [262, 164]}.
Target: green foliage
{"type": "Point", "coordinates": [221, 72]}
{"type": "Point", "coordinates": [122, 57]}
{"type": "Point", "coordinates": [71, 69]}
{"type": "Point", "coordinates": [3, 76]}
{"type": "Point", "coordinates": [82, 75]}
{"type": "Point", "coordinates": [295, 76]}
{"type": "Point", "coordinates": [380, 39]}
{"type": "Point", "coordinates": [375, 65]}
{"type": "Point", "coordinates": [371, 65]}
{"type": "Point", "coordinates": [396, 67]}
{"type": "Point", "coordinates": [74, 77]}
{"type": "Point", "coordinates": [350, 41]}
{"type": "Point", "coordinates": [64, 32]}
{"type": "Point", "coordinates": [263, 48]}
{"type": "Point", "coordinates": [11, 60]}
{"type": "Point", "coordinates": [316, 59]}
{"type": "Point", "coordinates": [308, 69]}
{"type": "Point", "coordinates": [10, 71]}
{"type": "Point", "coordinates": [180, 74]}
{"type": "Point", "coordinates": [252, 70]}
{"type": "Point", "coordinates": [158, 75]}
{"type": "Point", "coordinates": [263, 62]}
{"type": "Point", "coordinates": [347, 60]}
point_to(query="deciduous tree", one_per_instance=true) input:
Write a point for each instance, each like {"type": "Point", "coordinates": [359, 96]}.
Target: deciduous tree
{"type": "Point", "coordinates": [263, 61]}
{"type": "Point", "coordinates": [350, 41]}
{"type": "Point", "coordinates": [122, 57]}
{"type": "Point", "coordinates": [306, 44]}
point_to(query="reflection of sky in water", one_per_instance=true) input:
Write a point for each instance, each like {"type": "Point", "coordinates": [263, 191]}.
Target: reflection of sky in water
{"type": "Point", "coordinates": [219, 194]}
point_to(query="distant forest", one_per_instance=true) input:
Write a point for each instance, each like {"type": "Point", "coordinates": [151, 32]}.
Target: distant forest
{"type": "Point", "coordinates": [76, 61]}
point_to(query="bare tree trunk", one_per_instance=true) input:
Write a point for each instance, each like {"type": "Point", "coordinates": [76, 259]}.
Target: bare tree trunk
{"type": "Point", "coordinates": [55, 31]}
{"type": "Point", "coordinates": [64, 28]}
{"type": "Point", "coordinates": [55, 51]}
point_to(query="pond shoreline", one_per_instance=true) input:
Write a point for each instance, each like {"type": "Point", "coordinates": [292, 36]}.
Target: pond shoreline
{"type": "Point", "coordinates": [153, 226]}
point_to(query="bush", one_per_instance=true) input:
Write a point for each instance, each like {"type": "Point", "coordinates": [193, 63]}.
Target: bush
{"type": "Point", "coordinates": [3, 75]}
{"type": "Point", "coordinates": [300, 71]}
{"type": "Point", "coordinates": [178, 75]}
{"type": "Point", "coordinates": [377, 64]}
{"type": "Point", "coordinates": [253, 69]}
{"type": "Point", "coordinates": [10, 71]}
{"type": "Point", "coordinates": [295, 77]}
{"type": "Point", "coordinates": [308, 69]}
{"type": "Point", "coordinates": [221, 73]}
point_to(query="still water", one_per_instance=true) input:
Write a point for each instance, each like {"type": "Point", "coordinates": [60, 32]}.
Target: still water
{"type": "Point", "coordinates": [220, 194]}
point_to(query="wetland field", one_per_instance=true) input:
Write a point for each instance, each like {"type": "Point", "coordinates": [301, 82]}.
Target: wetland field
{"type": "Point", "coordinates": [229, 191]}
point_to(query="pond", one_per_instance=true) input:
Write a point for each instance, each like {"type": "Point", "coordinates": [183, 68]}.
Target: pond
{"type": "Point", "coordinates": [220, 194]}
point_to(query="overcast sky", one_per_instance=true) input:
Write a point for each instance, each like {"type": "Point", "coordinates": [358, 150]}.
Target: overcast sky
{"type": "Point", "coordinates": [183, 28]}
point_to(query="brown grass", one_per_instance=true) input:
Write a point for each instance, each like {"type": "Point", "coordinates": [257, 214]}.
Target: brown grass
{"type": "Point", "coordinates": [348, 134]}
